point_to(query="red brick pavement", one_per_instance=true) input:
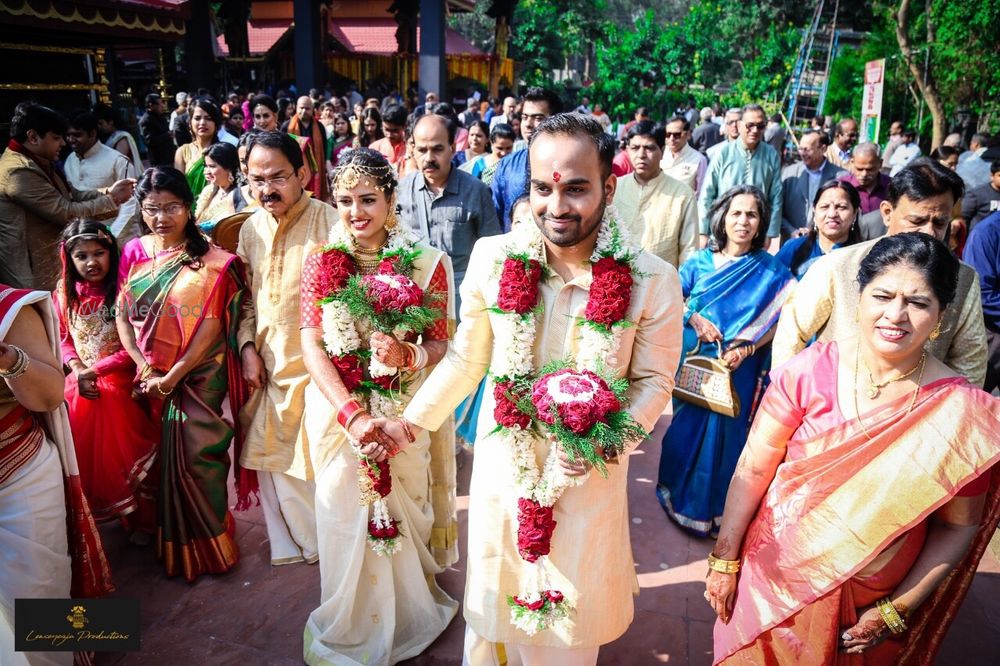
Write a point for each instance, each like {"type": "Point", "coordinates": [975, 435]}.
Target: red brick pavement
{"type": "Point", "coordinates": [255, 614]}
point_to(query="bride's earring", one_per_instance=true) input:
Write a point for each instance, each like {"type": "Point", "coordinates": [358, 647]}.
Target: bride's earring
{"type": "Point", "coordinates": [391, 221]}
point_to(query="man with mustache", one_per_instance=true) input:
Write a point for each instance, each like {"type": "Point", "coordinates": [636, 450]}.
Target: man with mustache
{"type": "Point", "coordinates": [571, 186]}
{"type": "Point", "coordinates": [449, 208]}
{"type": "Point", "coordinates": [274, 243]}
{"type": "Point", "coordinates": [825, 303]}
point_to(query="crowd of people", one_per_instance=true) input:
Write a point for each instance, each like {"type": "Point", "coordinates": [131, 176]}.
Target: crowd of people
{"type": "Point", "coordinates": [315, 296]}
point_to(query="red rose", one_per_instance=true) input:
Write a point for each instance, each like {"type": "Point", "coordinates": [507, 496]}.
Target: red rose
{"type": "Point", "coordinates": [388, 382]}
{"type": "Point", "coordinates": [392, 293]}
{"type": "Point", "coordinates": [610, 292]}
{"type": "Point", "coordinates": [350, 371]}
{"type": "Point", "coordinates": [334, 270]}
{"type": "Point", "coordinates": [519, 286]}
{"type": "Point", "coordinates": [542, 401]}
{"type": "Point", "coordinates": [506, 413]}
{"type": "Point", "coordinates": [555, 596]}
{"type": "Point", "coordinates": [606, 403]}
{"type": "Point", "coordinates": [389, 532]}
{"type": "Point", "coordinates": [382, 482]}
{"type": "Point", "coordinates": [534, 529]}
{"type": "Point", "coordinates": [578, 416]}
{"type": "Point", "coordinates": [534, 605]}
{"type": "Point", "coordinates": [388, 265]}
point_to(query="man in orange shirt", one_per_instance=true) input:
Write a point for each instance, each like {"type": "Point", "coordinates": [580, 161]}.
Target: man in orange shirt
{"type": "Point", "coordinates": [393, 146]}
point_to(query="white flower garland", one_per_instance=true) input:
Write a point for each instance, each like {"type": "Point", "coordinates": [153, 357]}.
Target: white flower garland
{"type": "Point", "coordinates": [514, 358]}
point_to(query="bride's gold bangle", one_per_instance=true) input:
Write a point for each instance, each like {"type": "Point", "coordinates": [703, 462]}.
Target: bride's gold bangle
{"type": "Point", "coordinates": [890, 615]}
{"type": "Point", "coordinates": [723, 566]}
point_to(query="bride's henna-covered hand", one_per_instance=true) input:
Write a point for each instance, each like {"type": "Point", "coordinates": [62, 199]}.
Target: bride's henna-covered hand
{"type": "Point", "coordinates": [388, 350]}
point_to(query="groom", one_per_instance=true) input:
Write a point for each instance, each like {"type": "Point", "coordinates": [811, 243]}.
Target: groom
{"type": "Point", "coordinates": [571, 186]}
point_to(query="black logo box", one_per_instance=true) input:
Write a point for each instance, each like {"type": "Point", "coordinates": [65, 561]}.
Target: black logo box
{"type": "Point", "coordinates": [75, 625]}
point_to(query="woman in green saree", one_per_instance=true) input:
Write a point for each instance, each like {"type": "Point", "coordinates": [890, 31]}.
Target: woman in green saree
{"type": "Point", "coordinates": [177, 317]}
{"type": "Point", "coordinates": [205, 119]}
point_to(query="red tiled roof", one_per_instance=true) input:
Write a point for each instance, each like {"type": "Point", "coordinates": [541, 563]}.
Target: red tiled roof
{"type": "Point", "coordinates": [262, 35]}
{"type": "Point", "coordinates": [378, 36]}
{"type": "Point", "coordinates": [166, 5]}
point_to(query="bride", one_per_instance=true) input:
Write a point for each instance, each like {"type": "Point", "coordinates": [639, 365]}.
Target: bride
{"type": "Point", "coordinates": [385, 524]}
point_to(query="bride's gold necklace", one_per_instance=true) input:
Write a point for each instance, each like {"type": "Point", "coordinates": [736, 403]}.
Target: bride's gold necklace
{"type": "Point", "coordinates": [368, 260]}
{"type": "Point", "coordinates": [857, 369]}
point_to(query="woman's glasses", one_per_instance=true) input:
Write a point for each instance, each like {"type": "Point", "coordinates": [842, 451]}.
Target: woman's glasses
{"type": "Point", "coordinates": [169, 209]}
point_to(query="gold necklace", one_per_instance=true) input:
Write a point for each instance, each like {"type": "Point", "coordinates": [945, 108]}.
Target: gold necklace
{"type": "Point", "coordinates": [913, 400]}
{"type": "Point", "coordinates": [874, 388]}
{"type": "Point", "coordinates": [368, 259]}
{"type": "Point", "coordinates": [157, 251]}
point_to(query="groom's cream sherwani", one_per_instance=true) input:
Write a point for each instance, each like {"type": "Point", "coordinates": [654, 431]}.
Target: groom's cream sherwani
{"type": "Point", "coordinates": [591, 558]}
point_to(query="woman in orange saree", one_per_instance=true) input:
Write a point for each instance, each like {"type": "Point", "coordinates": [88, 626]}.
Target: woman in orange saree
{"type": "Point", "coordinates": [864, 499]}
{"type": "Point", "coordinates": [177, 316]}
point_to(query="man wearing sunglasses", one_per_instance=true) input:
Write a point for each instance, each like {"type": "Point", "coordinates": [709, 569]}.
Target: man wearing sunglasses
{"type": "Point", "coordinates": [680, 160]}
{"type": "Point", "coordinates": [746, 161]}
{"type": "Point", "coordinates": [730, 132]}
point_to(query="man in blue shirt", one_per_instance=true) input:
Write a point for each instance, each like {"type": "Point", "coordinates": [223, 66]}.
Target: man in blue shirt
{"type": "Point", "coordinates": [511, 178]}
{"type": "Point", "coordinates": [982, 252]}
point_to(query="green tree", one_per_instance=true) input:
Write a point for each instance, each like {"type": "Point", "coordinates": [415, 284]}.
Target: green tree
{"type": "Point", "coordinates": [546, 33]}
{"type": "Point", "coordinates": [961, 52]}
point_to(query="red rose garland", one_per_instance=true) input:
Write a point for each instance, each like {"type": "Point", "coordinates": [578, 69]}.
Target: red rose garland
{"type": "Point", "coordinates": [610, 292]}
{"type": "Point", "coordinates": [578, 407]}
{"type": "Point", "coordinates": [390, 301]}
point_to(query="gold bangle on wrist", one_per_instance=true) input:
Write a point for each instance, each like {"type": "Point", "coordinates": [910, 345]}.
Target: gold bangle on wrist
{"type": "Point", "coordinates": [890, 615]}
{"type": "Point", "coordinates": [19, 366]}
{"type": "Point", "coordinates": [162, 392]}
{"type": "Point", "coordinates": [723, 566]}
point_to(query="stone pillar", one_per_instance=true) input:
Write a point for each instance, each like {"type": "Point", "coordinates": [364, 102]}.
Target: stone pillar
{"type": "Point", "coordinates": [433, 66]}
{"type": "Point", "coordinates": [308, 46]}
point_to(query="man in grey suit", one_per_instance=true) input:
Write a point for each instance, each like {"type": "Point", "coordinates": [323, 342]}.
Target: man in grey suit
{"type": "Point", "coordinates": [448, 208]}
{"type": "Point", "coordinates": [872, 225]}
{"type": "Point", "coordinates": [802, 180]}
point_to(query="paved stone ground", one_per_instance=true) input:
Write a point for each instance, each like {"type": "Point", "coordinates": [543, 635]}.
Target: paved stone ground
{"type": "Point", "coordinates": [255, 614]}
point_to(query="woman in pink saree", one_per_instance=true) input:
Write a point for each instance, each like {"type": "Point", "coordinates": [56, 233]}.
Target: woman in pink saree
{"type": "Point", "coordinates": [864, 499]}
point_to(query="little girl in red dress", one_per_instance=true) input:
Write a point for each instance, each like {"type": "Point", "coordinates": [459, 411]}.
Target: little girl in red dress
{"type": "Point", "coordinates": [115, 434]}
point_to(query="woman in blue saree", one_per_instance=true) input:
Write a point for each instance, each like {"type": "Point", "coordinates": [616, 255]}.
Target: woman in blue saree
{"type": "Point", "coordinates": [734, 291]}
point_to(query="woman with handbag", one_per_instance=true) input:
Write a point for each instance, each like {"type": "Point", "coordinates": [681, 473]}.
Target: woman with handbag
{"type": "Point", "coordinates": [866, 494]}
{"type": "Point", "coordinates": [734, 291]}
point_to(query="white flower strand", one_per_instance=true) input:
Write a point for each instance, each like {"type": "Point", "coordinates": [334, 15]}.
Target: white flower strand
{"type": "Point", "coordinates": [377, 368]}
{"type": "Point", "coordinates": [340, 334]}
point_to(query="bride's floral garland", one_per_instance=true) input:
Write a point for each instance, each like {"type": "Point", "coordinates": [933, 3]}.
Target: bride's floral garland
{"type": "Point", "coordinates": [572, 401]}
{"type": "Point", "coordinates": [353, 307]}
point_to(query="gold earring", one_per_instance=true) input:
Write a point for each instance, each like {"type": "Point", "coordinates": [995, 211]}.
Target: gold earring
{"type": "Point", "coordinates": [391, 220]}
{"type": "Point", "coordinates": [857, 315]}
{"type": "Point", "coordinates": [936, 333]}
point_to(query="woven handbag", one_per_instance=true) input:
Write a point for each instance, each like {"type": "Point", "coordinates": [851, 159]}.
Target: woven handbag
{"type": "Point", "coordinates": [708, 383]}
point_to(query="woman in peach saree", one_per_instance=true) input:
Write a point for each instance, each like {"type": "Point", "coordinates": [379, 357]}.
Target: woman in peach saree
{"type": "Point", "coordinates": [863, 502]}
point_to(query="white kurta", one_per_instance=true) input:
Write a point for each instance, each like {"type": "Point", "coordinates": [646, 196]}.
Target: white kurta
{"type": "Point", "coordinates": [591, 558]}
